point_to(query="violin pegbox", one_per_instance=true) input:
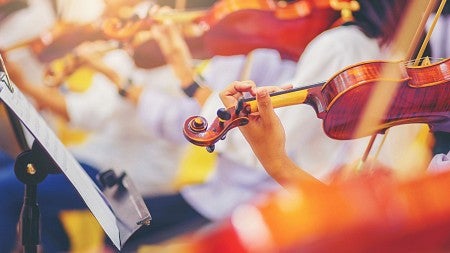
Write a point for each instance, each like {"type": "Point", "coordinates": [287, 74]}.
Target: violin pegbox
{"type": "Point", "coordinates": [197, 130]}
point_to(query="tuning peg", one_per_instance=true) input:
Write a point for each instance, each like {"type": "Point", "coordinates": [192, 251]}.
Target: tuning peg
{"type": "Point", "coordinates": [223, 114]}
{"type": "Point", "coordinates": [210, 148]}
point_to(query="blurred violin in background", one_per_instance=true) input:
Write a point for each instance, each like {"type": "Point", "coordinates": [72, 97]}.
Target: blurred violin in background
{"type": "Point", "coordinates": [238, 27]}
{"type": "Point", "coordinates": [59, 40]}
{"type": "Point", "coordinates": [232, 27]}
{"type": "Point", "coordinates": [68, 30]}
{"type": "Point", "coordinates": [136, 30]}
{"type": "Point", "coordinates": [422, 96]}
{"type": "Point", "coordinates": [227, 28]}
{"type": "Point", "coordinates": [57, 71]}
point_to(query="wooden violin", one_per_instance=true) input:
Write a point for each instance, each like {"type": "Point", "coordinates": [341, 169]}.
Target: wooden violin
{"type": "Point", "coordinates": [238, 27]}
{"type": "Point", "coordinates": [422, 96]}
{"type": "Point", "coordinates": [59, 40]}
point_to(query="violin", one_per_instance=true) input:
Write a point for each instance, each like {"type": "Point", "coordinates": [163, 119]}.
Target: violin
{"type": "Point", "coordinates": [238, 27]}
{"type": "Point", "coordinates": [233, 27]}
{"type": "Point", "coordinates": [59, 40]}
{"type": "Point", "coordinates": [55, 74]}
{"type": "Point", "coordinates": [422, 96]}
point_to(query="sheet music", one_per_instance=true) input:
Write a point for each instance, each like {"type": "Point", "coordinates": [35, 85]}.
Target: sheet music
{"type": "Point", "coordinates": [90, 193]}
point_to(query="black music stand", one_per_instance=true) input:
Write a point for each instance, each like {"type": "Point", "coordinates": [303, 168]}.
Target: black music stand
{"type": "Point", "coordinates": [118, 206]}
{"type": "Point", "coordinates": [31, 167]}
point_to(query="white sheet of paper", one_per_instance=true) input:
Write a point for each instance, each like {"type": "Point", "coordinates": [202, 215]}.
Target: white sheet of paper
{"type": "Point", "coordinates": [90, 193]}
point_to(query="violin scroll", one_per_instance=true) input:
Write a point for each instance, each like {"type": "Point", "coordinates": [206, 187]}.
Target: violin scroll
{"type": "Point", "coordinates": [197, 131]}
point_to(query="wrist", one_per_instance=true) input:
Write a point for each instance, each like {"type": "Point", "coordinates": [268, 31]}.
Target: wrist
{"type": "Point", "coordinates": [190, 89]}
{"type": "Point", "coordinates": [134, 93]}
{"type": "Point", "coordinates": [130, 92]}
{"type": "Point", "coordinates": [124, 89]}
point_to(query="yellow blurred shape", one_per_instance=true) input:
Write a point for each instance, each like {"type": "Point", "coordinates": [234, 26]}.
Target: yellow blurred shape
{"type": "Point", "coordinates": [79, 81]}
{"type": "Point", "coordinates": [417, 155]}
{"type": "Point", "coordinates": [195, 166]}
{"type": "Point", "coordinates": [85, 233]}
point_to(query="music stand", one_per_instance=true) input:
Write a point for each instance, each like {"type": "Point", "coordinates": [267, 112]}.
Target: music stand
{"type": "Point", "coordinates": [118, 207]}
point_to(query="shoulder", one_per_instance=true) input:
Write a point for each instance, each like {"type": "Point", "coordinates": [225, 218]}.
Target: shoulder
{"type": "Point", "coordinates": [333, 50]}
{"type": "Point", "coordinates": [345, 38]}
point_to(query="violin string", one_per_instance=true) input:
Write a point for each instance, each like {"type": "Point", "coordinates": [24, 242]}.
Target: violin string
{"type": "Point", "coordinates": [430, 31]}
{"type": "Point", "coordinates": [422, 59]}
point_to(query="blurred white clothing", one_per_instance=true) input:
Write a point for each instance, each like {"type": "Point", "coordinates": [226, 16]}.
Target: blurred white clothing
{"type": "Point", "coordinates": [118, 140]}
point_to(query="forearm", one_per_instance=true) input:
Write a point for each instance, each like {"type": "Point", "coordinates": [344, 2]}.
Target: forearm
{"type": "Point", "coordinates": [44, 96]}
{"type": "Point", "coordinates": [287, 173]}
{"type": "Point", "coordinates": [101, 67]}
{"type": "Point", "coordinates": [179, 58]}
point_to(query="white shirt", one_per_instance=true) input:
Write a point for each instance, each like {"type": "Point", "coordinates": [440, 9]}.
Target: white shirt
{"type": "Point", "coordinates": [439, 163]}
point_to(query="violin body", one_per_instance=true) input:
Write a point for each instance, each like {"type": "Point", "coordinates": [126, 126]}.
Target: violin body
{"type": "Point", "coordinates": [238, 27]}
{"type": "Point", "coordinates": [62, 40]}
{"type": "Point", "coordinates": [59, 40]}
{"type": "Point", "coordinates": [418, 95]}
{"type": "Point", "coordinates": [421, 95]}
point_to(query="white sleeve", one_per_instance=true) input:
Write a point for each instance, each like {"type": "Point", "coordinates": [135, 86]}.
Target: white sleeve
{"type": "Point", "coordinates": [164, 114]}
{"type": "Point", "coordinates": [335, 54]}
{"type": "Point", "coordinates": [440, 162]}
{"type": "Point", "coordinates": [92, 109]}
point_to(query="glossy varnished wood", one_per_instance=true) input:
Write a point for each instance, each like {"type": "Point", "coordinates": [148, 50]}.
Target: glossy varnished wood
{"type": "Point", "coordinates": [422, 95]}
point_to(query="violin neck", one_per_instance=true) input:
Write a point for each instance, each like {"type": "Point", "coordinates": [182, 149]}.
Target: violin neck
{"type": "Point", "coordinates": [179, 16]}
{"type": "Point", "coordinates": [285, 98]}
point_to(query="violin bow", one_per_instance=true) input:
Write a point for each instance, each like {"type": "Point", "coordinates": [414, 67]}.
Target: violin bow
{"type": "Point", "coordinates": [180, 4]}
{"type": "Point", "coordinates": [403, 47]}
